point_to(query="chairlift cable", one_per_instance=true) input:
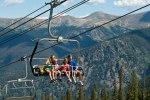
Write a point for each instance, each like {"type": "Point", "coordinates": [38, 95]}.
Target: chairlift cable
{"type": "Point", "coordinates": [41, 23]}
{"type": "Point", "coordinates": [84, 32]}
{"type": "Point", "coordinates": [22, 18]}
{"type": "Point", "coordinates": [110, 21]}
{"type": "Point", "coordinates": [24, 23]}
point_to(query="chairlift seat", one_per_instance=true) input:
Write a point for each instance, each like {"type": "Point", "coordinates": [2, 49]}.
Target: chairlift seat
{"type": "Point", "coordinates": [40, 70]}
{"type": "Point", "coordinates": [21, 98]}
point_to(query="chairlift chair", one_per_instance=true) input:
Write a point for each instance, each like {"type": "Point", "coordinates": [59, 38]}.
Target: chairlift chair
{"type": "Point", "coordinates": [36, 68]}
{"type": "Point", "coordinates": [12, 85]}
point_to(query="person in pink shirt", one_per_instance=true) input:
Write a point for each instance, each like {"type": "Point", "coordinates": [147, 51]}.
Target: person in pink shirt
{"type": "Point", "coordinates": [65, 68]}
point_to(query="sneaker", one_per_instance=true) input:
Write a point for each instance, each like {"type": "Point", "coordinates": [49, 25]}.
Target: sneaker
{"type": "Point", "coordinates": [60, 80]}
{"type": "Point", "coordinates": [55, 80]}
{"type": "Point", "coordinates": [52, 81]}
{"type": "Point", "coordinates": [69, 80]}
{"type": "Point", "coordinates": [81, 83]}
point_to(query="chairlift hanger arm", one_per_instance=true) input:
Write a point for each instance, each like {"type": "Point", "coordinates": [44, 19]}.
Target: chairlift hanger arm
{"type": "Point", "coordinates": [26, 70]}
{"type": "Point", "coordinates": [53, 3]}
{"type": "Point", "coordinates": [49, 23]}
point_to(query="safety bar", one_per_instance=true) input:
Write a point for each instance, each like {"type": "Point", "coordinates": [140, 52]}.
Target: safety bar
{"type": "Point", "coordinates": [16, 81]}
{"type": "Point", "coordinates": [29, 87]}
{"type": "Point", "coordinates": [60, 40]}
{"type": "Point", "coordinates": [20, 80]}
{"type": "Point", "coordinates": [43, 59]}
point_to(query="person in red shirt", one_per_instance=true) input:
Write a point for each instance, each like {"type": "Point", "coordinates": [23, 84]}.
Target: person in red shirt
{"type": "Point", "coordinates": [65, 68]}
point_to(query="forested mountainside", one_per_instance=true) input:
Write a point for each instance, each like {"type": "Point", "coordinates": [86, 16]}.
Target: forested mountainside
{"type": "Point", "coordinates": [66, 26]}
{"type": "Point", "coordinates": [102, 62]}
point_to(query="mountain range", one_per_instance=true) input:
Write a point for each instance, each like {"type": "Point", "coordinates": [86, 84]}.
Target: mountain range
{"type": "Point", "coordinates": [124, 41]}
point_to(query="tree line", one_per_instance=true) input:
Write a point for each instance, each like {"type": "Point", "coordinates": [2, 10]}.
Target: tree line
{"type": "Point", "coordinates": [134, 90]}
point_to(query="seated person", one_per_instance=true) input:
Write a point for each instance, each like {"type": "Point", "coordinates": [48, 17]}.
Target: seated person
{"type": "Point", "coordinates": [66, 69]}
{"type": "Point", "coordinates": [56, 69]}
{"type": "Point", "coordinates": [50, 59]}
{"type": "Point", "coordinates": [73, 68]}
{"type": "Point", "coordinates": [49, 68]}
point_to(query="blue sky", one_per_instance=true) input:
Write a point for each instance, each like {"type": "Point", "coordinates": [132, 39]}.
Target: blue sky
{"type": "Point", "coordinates": [20, 8]}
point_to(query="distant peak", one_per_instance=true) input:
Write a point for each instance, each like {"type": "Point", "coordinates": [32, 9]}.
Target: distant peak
{"type": "Point", "coordinates": [99, 15]}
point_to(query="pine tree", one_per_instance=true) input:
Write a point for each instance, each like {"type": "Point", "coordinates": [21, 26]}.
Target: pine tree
{"type": "Point", "coordinates": [140, 95]}
{"type": "Point", "coordinates": [132, 93]}
{"type": "Point", "coordinates": [108, 96]}
{"type": "Point", "coordinates": [52, 96]}
{"type": "Point", "coordinates": [103, 94]}
{"type": "Point", "coordinates": [75, 97]}
{"type": "Point", "coordinates": [129, 92]}
{"type": "Point", "coordinates": [121, 91]}
{"type": "Point", "coordinates": [135, 85]}
{"type": "Point", "coordinates": [84, 96]}
{"type": "Point", "coordinates": [68, 95]}
{"type": "Point", "coordinates": [63, 97]}
{"type": "Point", "coordinates": [115, 92]}
{"type": "Point", "coordinates": [43, 96]}
{"type": "Point", "coordinates": [47, 97]}
{"type": "Point", "coordinates": [81, 94]}
{"type": "Point", "coordinates": [94, 95]}
{"type": "Point", "coordinates": [143, 89]}
{"type": "Point", "coordinates": [148, 89]}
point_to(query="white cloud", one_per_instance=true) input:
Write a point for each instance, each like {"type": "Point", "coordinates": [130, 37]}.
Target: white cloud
{"type": "Point", "coordinates": [67, 2]}
{"type": "Point", "coordinates": [11, 2]}
{"type": "Point", "coordinates": [42, 18]}
{"type": "Point", "coordinates": [95, 2]}
{"type": "Point", "coordinates": [84, 16]}
{"type": "Point", "coordinates": [64, 14]}
{"type": "Point", "coordinates": [130, 3]}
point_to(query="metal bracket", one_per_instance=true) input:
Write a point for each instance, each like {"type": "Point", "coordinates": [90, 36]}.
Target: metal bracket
{"type": "Point", "coordinates": [23, 58]}
{"type": "Point", "coordinates": [60, 39]}
{"type": "Point", "coordinates": [55, 3]}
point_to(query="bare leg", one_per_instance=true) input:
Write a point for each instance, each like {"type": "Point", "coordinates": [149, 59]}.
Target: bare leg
{"type": "Point", "coordinates": [67, 75]}
{"type": "Point", "coordinates": [52, 73]}
{"type": "Point", "coordinates": [50, 76]}
{"type": "Point", "coordinates": [55, 74]}
{"type": "Point", "coordinates": [74, 74]}
{"type": "Point", "coordinates": [59, 73]}
{"type": "Point", "coordinates": [80, 75]}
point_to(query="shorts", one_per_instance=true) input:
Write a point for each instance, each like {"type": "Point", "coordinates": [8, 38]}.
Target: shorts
{"type": "Point", "coordinates": [48, 67]}
{"type": "Point", "coordinates": [63, 71]}
{"type": "Point", "coordinates": [73, 68]}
